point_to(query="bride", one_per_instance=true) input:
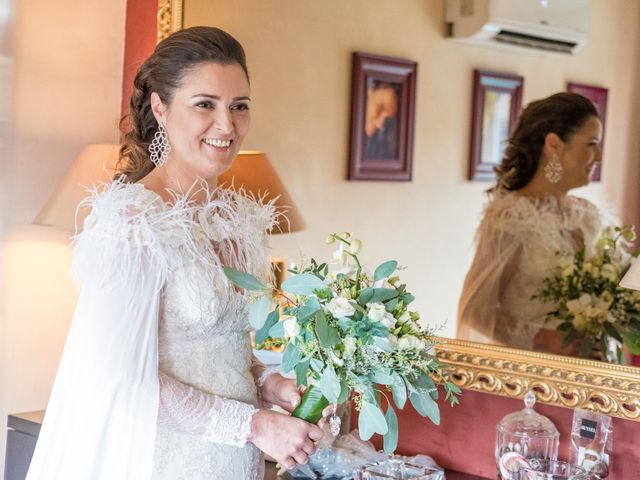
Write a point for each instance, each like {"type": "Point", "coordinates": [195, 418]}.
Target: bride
{"type": "Point", "coordinates": [529, 218]}
{"type": "Point", "coordinates": [157, 379]}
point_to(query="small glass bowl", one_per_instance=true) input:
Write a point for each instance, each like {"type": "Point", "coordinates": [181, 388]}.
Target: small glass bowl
{"type": "Point", "coordinates": [544, 469]}
{"type": "Point", "coordinates": [398, 469]}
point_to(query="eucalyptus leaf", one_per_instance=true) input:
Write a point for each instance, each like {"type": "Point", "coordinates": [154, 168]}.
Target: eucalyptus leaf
{"type": "Point", "coordinates": [425, 406]}
{"type": "Point", "coordinates": [391, 304]}
{"type": "Point", "coordinates": [330, 384]}
{"type": "Point", "coordinates": [327, 335]}
{"type": "Point", "coordinates": [382, 376]}
{"type": "Point", "coordinates": [344, 392]}
{"type": "Point", "coordinates": [425, 381]}
{"type": "Point", "coordinates": [244, 280]}
{"type": "Point", "coordinates": [317, 365]}
{"type": "Point", "coordinates": [379, 330]}
{"type": "Point", "coordinates": [373, 295]}
{"type": "Point", "coordinates": [399, 390]}
{"type": "Point", "coordinates": [407, 298]}
{"type": "Point", "coordinates": [303, 284]}
{"type": "Point", "coordinates": [365, 296]}
{"type": "Point", "coordinates": [410, 386]}
{"type": "Point", "coordinates": [272, 319]}
{"type": "Point", "coordinates": [385, 270]}
{"type": "Point", "coordinates": [391, 437]}
{"type": "Point", "coordinates": [258, 312]}
{"type": "Point", "coordinates": [290, 357]}
{"type": "Point", "coordinates": [301, 372]}
{"type": "Point", "coordinates": [382, 294]}
{"type": "Point", "coordinates": [371, 420]}
{"type": "Point", "coordinates": [345, 324]}
{"type": "Point", "coordinates": [383, 343]}
{"type": "Point", "coordinates": [277, 331]}
{"type": "Point", "coordinates": [308, 309]}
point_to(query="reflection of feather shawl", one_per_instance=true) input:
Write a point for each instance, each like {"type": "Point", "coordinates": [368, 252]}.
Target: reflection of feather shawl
{"type": "Point", "coordinates": [516, 245]}
{"type": "Point", "coordinates": [101, 418]}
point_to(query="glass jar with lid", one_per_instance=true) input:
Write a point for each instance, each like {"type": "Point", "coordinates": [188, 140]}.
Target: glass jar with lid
{"type": "Point", "coordinates": [524, 435]}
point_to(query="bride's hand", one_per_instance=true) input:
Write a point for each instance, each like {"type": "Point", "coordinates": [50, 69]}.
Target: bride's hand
{"type": "Point", "coordinates": [281, 391]}
{"type": "Point", "coordinates": [287, 439]}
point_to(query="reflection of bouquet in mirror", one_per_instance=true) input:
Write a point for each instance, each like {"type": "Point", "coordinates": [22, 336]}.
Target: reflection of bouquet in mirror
{"type": "Point", "coordinates": [588, 301]}
{"type": "Point", "coordinates": [351, 332]}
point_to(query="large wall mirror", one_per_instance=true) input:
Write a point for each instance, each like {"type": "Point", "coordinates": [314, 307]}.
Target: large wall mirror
{"type": "Point", "coordinates": [299, 58]}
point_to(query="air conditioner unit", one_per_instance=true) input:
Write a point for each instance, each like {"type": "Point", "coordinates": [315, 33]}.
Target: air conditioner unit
{"type": "Point", "coordinates": [551, 25]}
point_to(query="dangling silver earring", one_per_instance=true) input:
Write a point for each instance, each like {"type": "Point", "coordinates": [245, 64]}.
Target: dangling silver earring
{"type": "Point", "coordinates": [159, 147]}
{"type": "Point", "coordinates": [553, 170]}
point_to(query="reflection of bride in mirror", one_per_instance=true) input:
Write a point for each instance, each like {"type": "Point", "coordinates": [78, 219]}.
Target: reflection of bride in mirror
{"type": "Point", "coordinates": [530, 217]}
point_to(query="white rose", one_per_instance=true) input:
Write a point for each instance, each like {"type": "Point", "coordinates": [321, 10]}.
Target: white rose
{"type": "Point", "coordinates": [579, 305]}
{"type": "Point", "coordinates": [336, 359]}
{"type": "Point", "coordinates": [393, 341]}
{"type": "Point", "coordinates": [349, 346]}
{"type": "Point", "coordinates": [609, 272]}
{"type": "Point", "coordinates": [340, 307]}
{"type": "Point", "coordinates": [291, 327]}
{"type": "Point", "coordinates": [409, 341]}
{"type": "Point", "coordinates": [376, 312]}
{"type": "Point", "coordinates": [388, 320]}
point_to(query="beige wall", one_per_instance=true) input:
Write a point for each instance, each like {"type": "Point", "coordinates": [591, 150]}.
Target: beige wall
{"type": "Point", "coordinates": [66, 81]}
{"type": "Point", "coordinates": [299, 54]}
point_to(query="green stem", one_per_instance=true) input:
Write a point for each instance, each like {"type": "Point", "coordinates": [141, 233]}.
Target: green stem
{"type": "Point", "coordinates": [311, 405]}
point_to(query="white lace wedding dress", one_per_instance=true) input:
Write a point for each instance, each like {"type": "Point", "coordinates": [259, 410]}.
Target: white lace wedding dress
{"type": "Point", "coordinates": [516, 245]}
{"type": "Point", "coordinates": [157, 380]}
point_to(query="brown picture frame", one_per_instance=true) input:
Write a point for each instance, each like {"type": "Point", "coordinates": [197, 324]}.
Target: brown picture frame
{"type": "Point", "coordinates": [496, 105]}
{"type": "Point", "coordinates": [383, 93]}
{"type": "Point", "coordinates": [598, 96]}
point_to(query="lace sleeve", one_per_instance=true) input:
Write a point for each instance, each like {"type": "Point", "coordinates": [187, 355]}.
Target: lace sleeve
{"type": "Point", "coordinates": [261, 372]}
{"type": "Point", "coordinates": [495, 262]}
{"type": "Point", "coordinates": [186, 409]}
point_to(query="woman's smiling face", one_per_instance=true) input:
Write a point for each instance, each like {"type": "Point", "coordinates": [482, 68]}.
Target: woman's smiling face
{"type": "Point", "coordinates": [580, 152]}
{"type": "Point", "coordinates": [207, 119]}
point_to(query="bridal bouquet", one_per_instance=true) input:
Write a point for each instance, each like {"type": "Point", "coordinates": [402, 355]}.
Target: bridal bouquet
{"type": "Point", "coordinates": [350, 332]}
{"type": "Point", "coordinates": [587, 299]}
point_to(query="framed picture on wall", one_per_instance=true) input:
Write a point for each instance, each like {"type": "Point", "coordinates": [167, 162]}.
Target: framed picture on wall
{"type": "Point", "coordinates": [383, 93]}
{"type": "Point", "coordinates": [497, 100]}
{"type": "Point", "coordinates": [598, 96]}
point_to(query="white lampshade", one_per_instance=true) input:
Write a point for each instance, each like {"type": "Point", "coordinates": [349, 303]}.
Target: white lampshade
{"type": "Point", "coordinates": [94, 164]}
{"type": "Point", "coordinates": [631, 279]}
{"type": "Point", "coordinates": [253, 172]}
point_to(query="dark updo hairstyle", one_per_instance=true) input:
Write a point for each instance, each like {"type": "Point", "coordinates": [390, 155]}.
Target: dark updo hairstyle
{"type": "Point", "coordinates": [162, 72]}
{"type": "Point", "coordinates": [562, 113]}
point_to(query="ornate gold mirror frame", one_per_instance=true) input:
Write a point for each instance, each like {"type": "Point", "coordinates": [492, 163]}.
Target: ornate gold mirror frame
{"type": "Point", "coordinates": [170, 15]}
{"type": "Point", "coordinates": [562, 381]}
